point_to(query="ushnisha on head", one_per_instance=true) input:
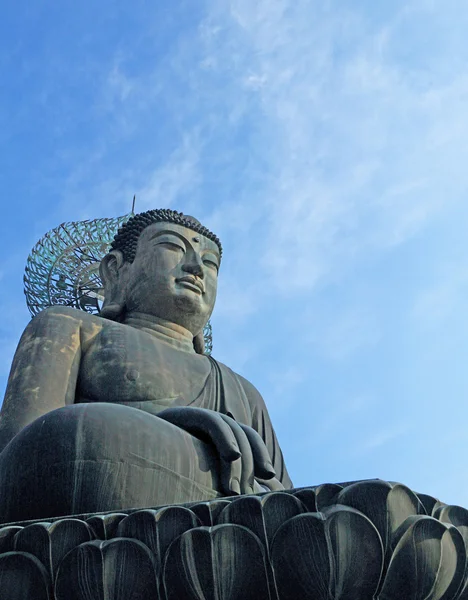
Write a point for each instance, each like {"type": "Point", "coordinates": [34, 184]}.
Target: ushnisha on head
{"type": "Point", "coordinates": [126, 239]}
{"type": "Point", "coordinates": [163, 264]}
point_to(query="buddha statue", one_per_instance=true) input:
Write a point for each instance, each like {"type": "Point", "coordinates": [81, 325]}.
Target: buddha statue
{"type": "Point", "coordinates": [124, 409]}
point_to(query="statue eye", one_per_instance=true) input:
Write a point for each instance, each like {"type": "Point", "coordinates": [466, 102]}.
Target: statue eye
{"type": "Point", "coordinates": [171, 245]}
{"type": "Point", "coordinates": [211, 263]}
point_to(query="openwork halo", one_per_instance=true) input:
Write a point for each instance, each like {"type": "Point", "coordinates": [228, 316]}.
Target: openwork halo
{"type": "Point", "coordinates": [63, 268]}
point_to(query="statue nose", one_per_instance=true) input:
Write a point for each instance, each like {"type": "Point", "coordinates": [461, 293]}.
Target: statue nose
{"type": "Point", "coordinates": [194, 267]}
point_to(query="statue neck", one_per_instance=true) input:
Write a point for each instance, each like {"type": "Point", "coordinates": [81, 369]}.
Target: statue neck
{"type": "Point", "coordinates": [165, 331]}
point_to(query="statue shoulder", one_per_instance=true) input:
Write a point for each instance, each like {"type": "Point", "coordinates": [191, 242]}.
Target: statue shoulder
{"type": "Point", "coordinates": [65, 313]}
{"type": "Point", "coordinates": [63, 320]}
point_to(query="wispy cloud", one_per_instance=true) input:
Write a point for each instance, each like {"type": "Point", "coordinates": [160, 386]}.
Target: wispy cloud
{"type": "Point", "coordinates": [357, 141]}
{"type": "Point", "coordinates": [443, 297]}
{"type": "Point", "coordinates": [177, 177]}
{"type": "Point", "coordinates": [381, 438]}
{"type": "Point", "coordinates": [345, 333]}
{"type": "Point", "coordinates": [324, 142]}
{"type": "Point", "coordinates": [353, 142]}
{"type": "Point", "coordinates": [298, 134]}
{"type": "Point", "coordinates": [343, 415]}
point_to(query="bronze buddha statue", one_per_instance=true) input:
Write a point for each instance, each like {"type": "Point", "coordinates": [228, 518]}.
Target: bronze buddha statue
{"type": "Point", "coordinates": [123, 410]}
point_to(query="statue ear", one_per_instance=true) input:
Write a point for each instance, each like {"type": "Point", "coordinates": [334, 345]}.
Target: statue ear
{"type": "Point", "coordinates": [114, 287]}
{"type": "Point", "coordinates": [109, 267]}
{"type": "Point", "coordinates": [199, 343]}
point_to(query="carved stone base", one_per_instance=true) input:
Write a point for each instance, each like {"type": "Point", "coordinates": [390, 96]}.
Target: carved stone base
{"type": "Point", "coordinates": [357, 541]}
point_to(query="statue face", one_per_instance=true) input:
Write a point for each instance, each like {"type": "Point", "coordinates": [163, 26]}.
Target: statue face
{"type": "Point", "coordinates": [174, 275]}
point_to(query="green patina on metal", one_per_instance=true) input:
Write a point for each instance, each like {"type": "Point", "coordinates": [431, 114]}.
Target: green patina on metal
{"type": "Point", "coordinates": [63, 267]}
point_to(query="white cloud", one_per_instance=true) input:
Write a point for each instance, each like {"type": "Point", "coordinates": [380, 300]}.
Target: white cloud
{"type": "Point", "coordinates": [356, 141]}
{"type": "Point", "coordinates": [284, 383]}
{"type": "Point", "coordinates": [381, 438]}
{"type": "Point", "coordinates": [346, 333]}
{"type": "Point", "coordinates": [347, 153]}
{"type": "Point", "coordinates": [443, 298]}
{"type": "Point", "coordinates": [349, 147]}
{"type": "Point", "coordinates": [119, 85]}
{"type": "Point", "coordinates": [178, 175]}
{"type": "Point", "coordinates": [343, 415]}
{"type": "Point", "coordinates": [322, 142]}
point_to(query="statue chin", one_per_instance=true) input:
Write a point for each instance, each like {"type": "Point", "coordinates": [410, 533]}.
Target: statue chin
{"type": "Point", "coordinates": [181, 310]}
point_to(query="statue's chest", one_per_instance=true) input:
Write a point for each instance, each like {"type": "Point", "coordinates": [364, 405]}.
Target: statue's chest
{"type": "Point", "coordinates": [125, 365]}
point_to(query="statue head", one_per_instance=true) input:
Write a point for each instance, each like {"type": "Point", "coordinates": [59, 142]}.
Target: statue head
{"type": "Point", "coordinates": [163, 264]}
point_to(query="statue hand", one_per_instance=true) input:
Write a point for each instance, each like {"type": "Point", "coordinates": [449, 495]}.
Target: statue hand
{"type": "Point", "coordinates": [242, 452]}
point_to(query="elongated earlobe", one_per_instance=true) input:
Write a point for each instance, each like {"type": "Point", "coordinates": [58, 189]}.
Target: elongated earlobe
{"type": "Point", "coordinates": [199, 343]}
{"type": "Point", "coordinates": [113, 312]}
{"type": "Point", "coordinates": [113, 307]}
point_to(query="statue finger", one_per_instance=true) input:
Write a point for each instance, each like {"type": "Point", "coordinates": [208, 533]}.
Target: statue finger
{"type": "Point", "coordinates": [246, 460]}
{"type": "Point", "coordinates": [263, 466]}
{"type": "Point", "coordinates": [231, 472]}
{"type": "Point", "coordinates": [205, 423]}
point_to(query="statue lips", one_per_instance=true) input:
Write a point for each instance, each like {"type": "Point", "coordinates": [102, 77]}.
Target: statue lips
{"type": "Point", "coordinates": [192, 283]}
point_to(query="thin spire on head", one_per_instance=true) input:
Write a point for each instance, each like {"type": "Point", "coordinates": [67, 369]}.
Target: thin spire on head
{"type": "Point", "coordinates": [133, 204]}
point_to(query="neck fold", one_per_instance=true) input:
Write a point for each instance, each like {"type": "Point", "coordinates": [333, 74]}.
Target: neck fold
{"type": "Point", "coordinates": [167, 332]}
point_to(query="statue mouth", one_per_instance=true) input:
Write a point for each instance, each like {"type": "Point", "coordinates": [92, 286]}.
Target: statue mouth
{"type": "Point", "coordinates": [192, 283]}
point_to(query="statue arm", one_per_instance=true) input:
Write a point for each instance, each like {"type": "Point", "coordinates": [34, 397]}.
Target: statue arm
{"type": "Point", "coordinates": [262, 424]}
{"type": "Point", "coordinates": [44, 372]}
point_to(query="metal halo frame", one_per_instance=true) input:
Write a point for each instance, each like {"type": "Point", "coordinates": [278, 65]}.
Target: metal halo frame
{"type": "Point", "coordinates": [63, 268]}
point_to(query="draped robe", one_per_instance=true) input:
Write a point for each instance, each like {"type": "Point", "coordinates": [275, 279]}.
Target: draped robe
{"type": "Point", "coordinates": [100, 456]}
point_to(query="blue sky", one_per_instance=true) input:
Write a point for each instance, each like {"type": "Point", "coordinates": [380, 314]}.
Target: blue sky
{"type": "Point", "coordinates": [326, 144]}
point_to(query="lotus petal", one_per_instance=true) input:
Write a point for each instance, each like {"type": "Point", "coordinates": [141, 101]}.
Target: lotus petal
{"type": "Point", "coordinates": [7, 538]}
{"type": "Point", "coordinates": [157, 529]}
{"type": "Point", "coordinates": [23, 577]}
{"type": "Point", "coordinates": [225, 562]}
{"type": "Point", "coordinates": [429, 503]}
{"type": "Point", "coordinates": [49, 542]}
{"type": "Point", "coordinates": [335, 554]}
{"type": "Point", "coordinates": [326, 495]}
{"type": "Point", "coordinates": [118, 569]}
{"type": "Point", "coordinates": [386, 505]}
{"type": "Point", "coordinates": [208, 512]}
{"type": "Point", "coordinates": [458, 516]}
{"type": "Point", "coordinates": [105, 526]}
{"type": "Point", "coordinates": [428, 561]}
{"type": "Point", "coordinates": [308, 498]}
{"type": "Point", "coordinates": [278, 508]}
{"type": "Point", "coordinates": [248, 512]}
{"type": "Point", "coordinates": [262, 515]}
{"type": "Point", "coordinates": [455, 515]}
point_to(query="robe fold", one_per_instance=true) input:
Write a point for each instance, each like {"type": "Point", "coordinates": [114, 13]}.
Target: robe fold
{"type": "Point", "coordinates": [99, 456]}
{"type": "Point", "coordinates": [224, 392]}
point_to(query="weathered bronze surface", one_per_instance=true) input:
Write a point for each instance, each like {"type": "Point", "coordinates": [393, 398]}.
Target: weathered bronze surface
{"type": "Point", "coordinates": [124, 410]}
{"type": "Point", "coordinates": [369, 540]}
{"type": "Point", "coordinates": [134, 466]}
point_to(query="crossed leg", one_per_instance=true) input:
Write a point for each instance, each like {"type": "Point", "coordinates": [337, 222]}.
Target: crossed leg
{"type": "Point", "coordinates": [100, 457]}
